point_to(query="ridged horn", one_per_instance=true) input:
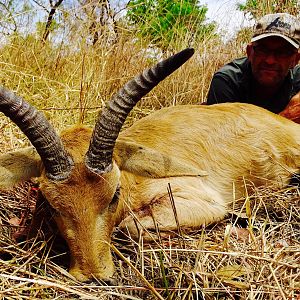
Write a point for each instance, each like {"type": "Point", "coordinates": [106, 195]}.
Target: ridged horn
{"type": "Point", "coordinates": [39, 131]}
{"type": "Point", "coordinates": [99, 155]}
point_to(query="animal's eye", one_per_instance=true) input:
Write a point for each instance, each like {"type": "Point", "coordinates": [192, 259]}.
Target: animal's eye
{"type": "Point", "coordinates": [114, 202]}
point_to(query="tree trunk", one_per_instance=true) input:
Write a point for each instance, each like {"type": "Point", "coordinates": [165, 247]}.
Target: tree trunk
{"type": "Point", "coordinates": [50, 19]}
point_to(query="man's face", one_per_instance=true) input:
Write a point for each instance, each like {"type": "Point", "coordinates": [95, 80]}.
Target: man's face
{"type": "Point", "coordinates": [271, 58]}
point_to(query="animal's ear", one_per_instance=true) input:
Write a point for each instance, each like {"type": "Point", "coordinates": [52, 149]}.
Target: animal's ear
{"type": "Point", "coordinates": [147, 162]}
{"type": "Point", "coordinates": [19, 166]}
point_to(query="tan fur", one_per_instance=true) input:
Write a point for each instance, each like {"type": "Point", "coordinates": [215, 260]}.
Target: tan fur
{"type": "Point", "coordinates": [205, 154]}
{"type": "Point", "coordinates": [19, 165]}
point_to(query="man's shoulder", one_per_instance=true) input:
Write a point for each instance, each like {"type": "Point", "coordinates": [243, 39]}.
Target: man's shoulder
{"type": "Point", "coordinates": [236, 69]}
{"type": "Point", "coordinates": [296, 71]}
{"type": "Point", "coordinates": [230, 83]}
{"type": "Point", "coordinates": [296, 78]}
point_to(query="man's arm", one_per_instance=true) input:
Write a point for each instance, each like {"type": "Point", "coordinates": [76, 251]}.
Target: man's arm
{"type": "Point", "coordinates": [292, 111]}
{"type": "Point", "coordinates": [221, 90]}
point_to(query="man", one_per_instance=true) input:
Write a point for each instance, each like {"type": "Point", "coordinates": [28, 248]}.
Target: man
{"type": "Point", "coordinates": [269, 76]}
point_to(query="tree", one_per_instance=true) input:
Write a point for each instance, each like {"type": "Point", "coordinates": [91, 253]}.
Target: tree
{"type": "Point", "coordinates": [100, 18]}
{"type": "Point", "coordinates": [163, 22]}
{"type": "Point", "coordinates": [258, 8]}
{"type": "Point", "coordinates": [54, 7]}
{"type": "Point", "coordinates": [50, 24]}
{"type": "Point", "coordinates": [14, 16]}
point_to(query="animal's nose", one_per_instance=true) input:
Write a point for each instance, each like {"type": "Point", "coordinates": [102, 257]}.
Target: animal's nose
{"type": "Point", "coordinates": [79, 276]}
{"type": "Point", "coordinates": [92, 278]}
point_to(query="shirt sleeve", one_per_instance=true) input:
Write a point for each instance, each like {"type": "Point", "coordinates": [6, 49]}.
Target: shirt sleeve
{"type": "Point", "coordinates": [297, 80]}
{"type": "Point", "coordinates": [221, 90]}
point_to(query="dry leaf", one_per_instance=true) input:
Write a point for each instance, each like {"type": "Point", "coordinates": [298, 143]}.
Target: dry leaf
{"type": "Point", "coordinates": [237, 284]}
{"type": "Point", "coordinates": [227, 274]}
{"type": "Point", "coordinates": [231, 272]}
{"type": "Point", "coordinates": [281, 244]}
{"type": "Point", "coordinates": [241, 234]}
{"type": "Point", "coordinates": [15, 221]}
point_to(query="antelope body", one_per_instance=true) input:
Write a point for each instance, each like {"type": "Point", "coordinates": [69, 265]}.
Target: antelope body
{"type": "Point", "coordinates": [97, 179]}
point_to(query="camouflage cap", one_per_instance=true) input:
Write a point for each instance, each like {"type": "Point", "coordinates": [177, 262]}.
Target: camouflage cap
{"type": "Point", "coordinates": [282, 25]}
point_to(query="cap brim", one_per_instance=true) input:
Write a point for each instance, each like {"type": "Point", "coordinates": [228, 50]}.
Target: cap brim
{"type": "Point", "coordinates": [264, 35]}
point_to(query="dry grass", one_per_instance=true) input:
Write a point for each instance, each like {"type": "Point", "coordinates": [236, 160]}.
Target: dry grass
{"type": "Point", "coordinates": [71, 86]}
{"type": "Point", "coordinates": [252, 254]}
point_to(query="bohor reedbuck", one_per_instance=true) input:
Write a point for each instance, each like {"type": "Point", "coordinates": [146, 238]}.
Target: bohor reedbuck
{"type": "Point", "coordinates": [97, 179]}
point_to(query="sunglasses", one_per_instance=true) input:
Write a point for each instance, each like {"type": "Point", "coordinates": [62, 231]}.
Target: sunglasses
{"type": "Point", "coordinates": [262, 51]}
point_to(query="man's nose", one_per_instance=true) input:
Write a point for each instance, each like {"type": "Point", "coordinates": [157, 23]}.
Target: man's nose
{"type": "Point", "coordinates": [270, 58]}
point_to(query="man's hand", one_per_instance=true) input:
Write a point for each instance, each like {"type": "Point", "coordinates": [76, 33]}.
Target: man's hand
{"type": "Point", "coordinates": [292, 111]}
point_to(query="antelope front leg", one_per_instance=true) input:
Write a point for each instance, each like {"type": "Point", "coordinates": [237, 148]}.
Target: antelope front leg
{"type": "Point", "coordinates": [192, 210]}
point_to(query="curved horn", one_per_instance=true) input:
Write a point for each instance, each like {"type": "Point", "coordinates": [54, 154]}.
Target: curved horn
{"type": "Point", "coordinates": [107, 128]}
{"type": "Point", "coordinates": [39, 131]}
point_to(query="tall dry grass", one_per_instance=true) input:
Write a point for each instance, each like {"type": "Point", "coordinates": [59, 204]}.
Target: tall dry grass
{"type": "Point", "coordinates": [72, 84]}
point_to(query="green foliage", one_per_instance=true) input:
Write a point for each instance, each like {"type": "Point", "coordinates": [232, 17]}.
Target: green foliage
{"type": "Point", "coordinates": [163, 22]}
{"type": "Point", "coordinates": [258, 8]}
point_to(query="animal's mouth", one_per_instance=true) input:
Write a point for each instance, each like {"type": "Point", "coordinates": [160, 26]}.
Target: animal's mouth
{"type": "Point", "coordinates": [96, 264]}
